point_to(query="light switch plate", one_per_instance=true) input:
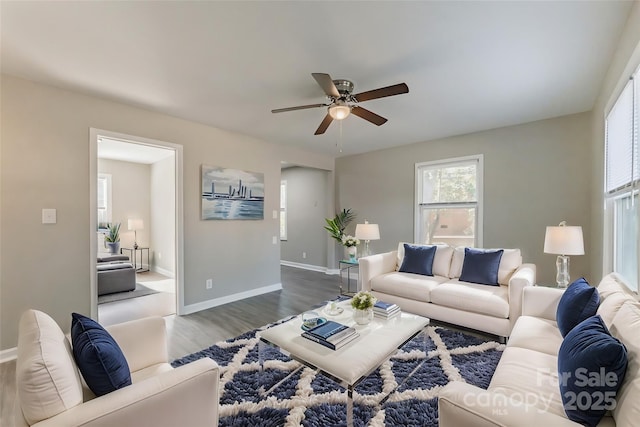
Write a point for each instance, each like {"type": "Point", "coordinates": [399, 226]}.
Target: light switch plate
{"type": "Point", "coordinates": [275, 214]}
{"type": "Point", "coordinates": [48, 216]}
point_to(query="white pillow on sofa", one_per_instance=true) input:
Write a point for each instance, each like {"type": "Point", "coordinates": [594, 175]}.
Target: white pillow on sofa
{"type": "Point", "coordinates": [510, 261]}
{"type": "Point", "coordinates": [441, 261]}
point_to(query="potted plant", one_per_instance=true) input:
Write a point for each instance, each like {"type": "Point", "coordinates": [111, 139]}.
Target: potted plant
{"type": "Point", "coordinates": [337, 224]}
{"type": "Point", "coordinates": [112, 238]}
{"type": "Point", "coordinates": [362, 304]}
{"type": "Point", "coordinates": [350, 243]}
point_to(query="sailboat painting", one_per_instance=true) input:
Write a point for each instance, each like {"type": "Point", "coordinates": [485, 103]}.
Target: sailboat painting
{"type": "Point", "coordinates": [232, 194]}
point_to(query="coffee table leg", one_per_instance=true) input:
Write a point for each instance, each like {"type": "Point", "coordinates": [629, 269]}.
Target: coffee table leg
{"type": "Point", "coordinates": [350, 406]}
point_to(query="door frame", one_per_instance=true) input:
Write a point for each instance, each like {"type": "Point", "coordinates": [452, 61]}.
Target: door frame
{"type": "Point", "coordinates": [94, 135]}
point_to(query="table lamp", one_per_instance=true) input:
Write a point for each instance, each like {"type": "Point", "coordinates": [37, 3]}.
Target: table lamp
{"type": "Point", "coordinates": [367, 232]}
{"type": "Point", "coordinates": [135, 225]}
{"type": "Point", "coordinates": [563, 240]}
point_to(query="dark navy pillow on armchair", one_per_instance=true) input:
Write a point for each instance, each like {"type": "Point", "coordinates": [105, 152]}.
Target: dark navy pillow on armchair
{"type": "Point", "coordinates": [481, 266]}
{"type": "Point", "coordinates": [591, 367]}
{"type": "Point", "coordinates": [578, 302]}
{"type": "Point", "coordinates": [98, 356]}
{"type": "Point", "coordinates": [418, 259]}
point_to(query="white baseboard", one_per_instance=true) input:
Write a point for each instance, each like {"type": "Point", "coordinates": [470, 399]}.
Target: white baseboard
{"type": "Point", "coordinates": [309, 267]}
{"type": "Point", "coordinates": [192, 308]}
{"type": "Point", "coordinates": [163, 272]}
{"type": "Point", "coordinates": [8, 354]}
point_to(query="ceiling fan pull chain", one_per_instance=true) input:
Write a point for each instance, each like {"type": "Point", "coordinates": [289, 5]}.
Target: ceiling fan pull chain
{"type": "Point", "coordinates": [339, 144]}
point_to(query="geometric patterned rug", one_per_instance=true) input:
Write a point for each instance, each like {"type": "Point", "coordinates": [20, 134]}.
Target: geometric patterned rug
{"type": "Point", "coordinates": [310, 399]}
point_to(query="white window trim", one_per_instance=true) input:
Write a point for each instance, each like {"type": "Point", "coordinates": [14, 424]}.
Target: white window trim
{"type": "Point", "coordinates": [109, 195]}
{"type": "Point", "coordinates": [479, 158]}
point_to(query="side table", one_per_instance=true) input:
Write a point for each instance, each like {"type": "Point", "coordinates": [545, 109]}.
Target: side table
{"type": "Point", "coordinates": [133, 255]}
{"type": "Point", "coordinates": [346, 265]}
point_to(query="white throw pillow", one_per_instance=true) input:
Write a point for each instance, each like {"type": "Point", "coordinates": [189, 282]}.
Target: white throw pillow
{"type": "Point", "coordinates": [441, 261]}
{"type": "Point", "coordinates": [48, 381]}
{"type": "Point", "coordinates": [509, 263]}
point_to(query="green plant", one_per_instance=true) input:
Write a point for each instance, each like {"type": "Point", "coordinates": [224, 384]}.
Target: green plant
{"type": "Point", "coordinates": [113, 233]}
{"type": "Point", "coordinates": [363, 300]}
{"type": "Point", "coordinates": [337, 224]}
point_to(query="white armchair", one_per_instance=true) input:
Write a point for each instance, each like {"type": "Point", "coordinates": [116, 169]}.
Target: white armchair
{"type": "Point", "coordinates": [50, 391]}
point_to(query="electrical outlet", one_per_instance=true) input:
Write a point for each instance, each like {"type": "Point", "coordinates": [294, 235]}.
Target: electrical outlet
{"type": "Point", "coordinates": [209, 284]}
{"type": "Point", "coordinates": [304, 254]}
{"type": "Point", "coordinates": [275, 240]}
{"type": "Point", "coordinates": [159, 255]}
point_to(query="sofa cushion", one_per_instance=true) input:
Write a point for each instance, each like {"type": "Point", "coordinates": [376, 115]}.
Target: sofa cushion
{"type": "Point", "coordinates": [535, 333]}
{"type": "Point", "coordinates": [47, 379]}
{"type": "Point", "coordinates": [610, 306]}
{"type": "Point", "coordinates": [529, 377]}
{"type": "Point", "coordinates": [511, 260]}
{"type": "Point", "coordinates": [480, 266]}
{"type": "Point", "coordinates": [579, 302]}
{"type": "Point", "coordinates": [491, 300]}
{"type": "Point", "coordinates": [100, 359]}
{"type": "Point", "coordinates": [625, 327]}
{"type": "Point", "coordinates": [441, 261]}
{"type": "Point", "coordinates": [407, 285]}
{"type": "Point", "coordinates": [418, 259]}
{"type": "Point", "coordinates": [591, 367]}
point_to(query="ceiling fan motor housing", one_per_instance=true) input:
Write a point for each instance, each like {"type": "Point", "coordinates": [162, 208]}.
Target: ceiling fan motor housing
{"type": "Point", "coordinates": [345, 87]}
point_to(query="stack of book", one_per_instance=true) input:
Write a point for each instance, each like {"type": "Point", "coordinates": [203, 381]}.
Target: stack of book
{"type": "Point", "coordinates": [331, 334]}
{"type": "Point", "coordinates": [385, 310]}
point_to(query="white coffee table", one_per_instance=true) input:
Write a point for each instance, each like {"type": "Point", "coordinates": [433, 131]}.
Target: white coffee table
{"type": "Point", "coordinates": [378, 341]}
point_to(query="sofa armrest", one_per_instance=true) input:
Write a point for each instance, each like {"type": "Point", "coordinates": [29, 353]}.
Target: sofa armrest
{"type": "Point", "coordinates": [185, 396]}
{"type": "Point", "coordinates": [462, 404]}
{"type": "Point", "coordinates": [143, 341]}
{"type": "Point", "coordinates": [523, 277]}
{"type": "Point", "coordinates": [375, 265]}
{"type": "Point", "coordinates": [540, 301]}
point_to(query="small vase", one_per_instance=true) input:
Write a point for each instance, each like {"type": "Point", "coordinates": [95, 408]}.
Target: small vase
{"type": "Point", "coordinates": [113, 247]}
{"type": "Point", "coordinates": [363, 317]}
{"type": "Point", "coordinates": [352, 251]}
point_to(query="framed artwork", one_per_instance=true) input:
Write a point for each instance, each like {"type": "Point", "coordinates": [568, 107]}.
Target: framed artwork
{"type": "Point", "coordinates": [232, 193]}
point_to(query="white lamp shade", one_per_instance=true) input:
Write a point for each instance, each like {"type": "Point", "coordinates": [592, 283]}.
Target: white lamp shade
{"type": "Point", "coordinates": [367, 231]}
{"type": "Point", "coordinates": [135, 224]}
{"type": "Point", "coordinates": [339, 111]}
{"type": "Point", "coordinates": [564, 240]}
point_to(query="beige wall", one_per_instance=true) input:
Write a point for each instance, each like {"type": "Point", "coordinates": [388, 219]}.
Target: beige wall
{"type": "Point", "coordinates": [625, 60]}
{"type": "Point", "coordinates": [130, 192]}
{"type": "Point", "coordinates": [45, 164]}
{"type": "Point", "coordinates": [163, 216]}
{"type": "Point", "coordinates": [535, 174]}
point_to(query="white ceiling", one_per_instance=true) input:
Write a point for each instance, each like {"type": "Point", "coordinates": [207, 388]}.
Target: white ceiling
{"type": "Point", "coordinates": [469, 66]}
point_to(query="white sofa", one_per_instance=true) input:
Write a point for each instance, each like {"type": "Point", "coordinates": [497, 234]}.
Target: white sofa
{"type": "Point", "coordinates": [492, 309]}
{"type": "Point", "coordinates": [524, 390]}
{"type": "Point", "coordinates": [51, 392]}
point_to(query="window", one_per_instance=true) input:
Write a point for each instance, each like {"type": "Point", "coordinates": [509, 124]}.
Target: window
{"type": "Point", "coordinates": [283, 210]}
{"type": "Point", "coordinates": [104, 200]}
{"type": "Point", "coordinates": [622, 176]}
{"type": "Point", "coordinates": [449, 202]}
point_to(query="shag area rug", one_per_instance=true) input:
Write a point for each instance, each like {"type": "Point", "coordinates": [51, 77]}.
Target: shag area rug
{"type": "Point", "coordinates": [310, 399]}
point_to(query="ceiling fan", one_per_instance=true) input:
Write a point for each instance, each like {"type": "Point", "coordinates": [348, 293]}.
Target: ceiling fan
{"type": "Point", "coordinates": [342, 102]}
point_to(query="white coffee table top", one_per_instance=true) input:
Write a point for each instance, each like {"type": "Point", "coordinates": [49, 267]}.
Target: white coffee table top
{"type": "Point", "coordinates": [377, 342]}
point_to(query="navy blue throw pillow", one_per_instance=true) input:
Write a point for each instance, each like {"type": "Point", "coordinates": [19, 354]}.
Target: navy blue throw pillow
{"type": "Point", "coordinates": [579, 302]}
{"type": "Point", "coordinates": [98, 356]}
{"type": "Point", "coordinates": [418, 259]}
{"type": "Point", "coordinates": [481, 266]}
{"type": "Point", "coordinates": [591, 368]}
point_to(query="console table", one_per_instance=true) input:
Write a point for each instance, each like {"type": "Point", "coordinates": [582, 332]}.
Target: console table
{"type": "Point", "coordinates": [133, 256]}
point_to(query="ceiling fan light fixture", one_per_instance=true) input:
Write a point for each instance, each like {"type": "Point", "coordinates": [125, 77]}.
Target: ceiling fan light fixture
{"type": "Point", "coordinates": [339, 111]}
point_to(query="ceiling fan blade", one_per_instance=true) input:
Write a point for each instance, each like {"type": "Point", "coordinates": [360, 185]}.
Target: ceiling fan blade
{"type": "Point", "coordinates": [398, 89]}
{"type": "Point", "coordinates": [326, 83]}
{"type": "Point", "coordinates": [324, 125]}
{"type": "Point", "coordinates": [301, 107]}
{"type": "Point", "coordinates": [368, 115]}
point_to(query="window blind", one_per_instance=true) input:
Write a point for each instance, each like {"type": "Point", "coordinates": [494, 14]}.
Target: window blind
{"type": "Point", "coordinates": [621, 151]}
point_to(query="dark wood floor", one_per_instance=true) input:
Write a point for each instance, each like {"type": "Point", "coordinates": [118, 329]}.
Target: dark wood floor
{"type": "Point", "coordinates": [302, 289]}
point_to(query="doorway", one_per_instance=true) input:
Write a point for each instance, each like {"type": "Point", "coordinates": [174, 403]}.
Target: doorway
{"type": "Point", "coordinates": [137, 186]}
